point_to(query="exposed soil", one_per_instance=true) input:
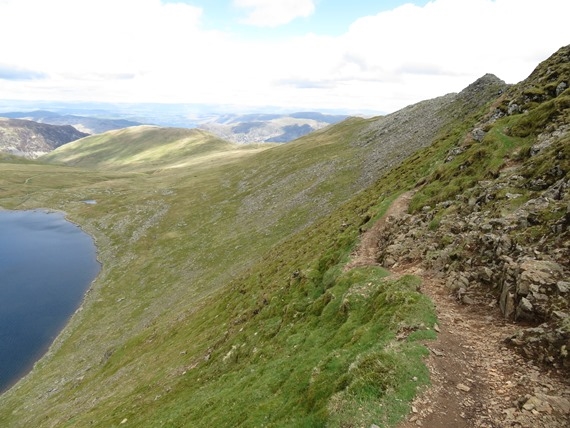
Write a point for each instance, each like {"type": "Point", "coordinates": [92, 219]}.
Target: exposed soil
{"type": "Point", "coordinates": [476, 380]}
{"type": "Point", "coordinates": [367, 252]}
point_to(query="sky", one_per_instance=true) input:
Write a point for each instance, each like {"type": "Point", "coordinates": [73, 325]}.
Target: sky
{"type": "Point", "coordinates": [343, 55]}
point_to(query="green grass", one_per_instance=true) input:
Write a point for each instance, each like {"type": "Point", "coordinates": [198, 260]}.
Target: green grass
{"type": "Point", "coordinates": [287, 363]}
{"type": "Point", "coordinates": [479, 161]}
{"type": "Point", "coordinates": [182, 280]}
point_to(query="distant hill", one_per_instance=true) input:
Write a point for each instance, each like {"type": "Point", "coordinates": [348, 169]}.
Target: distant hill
{"type": "Point", "coordinates": [263, 127]}
{"type": "Point", "coordinates": [86, 124]}
{"type": "Point", "coordinates": [144, 148]}
{"type": "Point", "coordinates": [32, 139]}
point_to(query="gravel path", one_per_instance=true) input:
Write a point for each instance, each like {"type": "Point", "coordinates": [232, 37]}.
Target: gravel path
{"type": "Point", "coordinates": [477, 380]}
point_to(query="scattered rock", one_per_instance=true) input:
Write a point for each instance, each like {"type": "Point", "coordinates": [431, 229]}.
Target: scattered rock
{"type": "Point", "coordinates": [559, 404]}
{"type": "Point", "coordinates": [563, 286]}
{"type": "Point", "coordinates": [463, 387]}
{"type": "Point", "coordinates": [478, 134]}
{"type": "Point", "coordinates": [513, 108]}
{"type": "Point", "coordinates": [524, 310]}
{"type": "Point", "coordinates": [437, 352]}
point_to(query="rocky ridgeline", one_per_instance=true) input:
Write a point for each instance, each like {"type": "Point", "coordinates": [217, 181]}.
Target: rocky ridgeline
{"type": "Point", "coordinates": [414, 127]}
{"type": "Point", "coordinates": [505, 241]}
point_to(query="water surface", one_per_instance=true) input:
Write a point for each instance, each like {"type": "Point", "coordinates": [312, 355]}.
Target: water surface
{"type": "Point", "coordinates": [46, 266]}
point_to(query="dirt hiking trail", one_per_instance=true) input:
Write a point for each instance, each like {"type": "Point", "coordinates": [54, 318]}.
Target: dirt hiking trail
{"type": "Point", "coordinates": [476, 380]}
{"type": "Point", "coordinates": [367, 251]}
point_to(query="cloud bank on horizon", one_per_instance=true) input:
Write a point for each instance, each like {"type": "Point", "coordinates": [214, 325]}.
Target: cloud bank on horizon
{"type": "Point", "coordinates": [298, 54]}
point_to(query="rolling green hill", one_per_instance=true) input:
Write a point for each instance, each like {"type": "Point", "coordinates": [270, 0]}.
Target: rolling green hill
{"type": "Point", "coordinates": [224, 298]}
{"type": "Point", "coordinates": [145, 148]}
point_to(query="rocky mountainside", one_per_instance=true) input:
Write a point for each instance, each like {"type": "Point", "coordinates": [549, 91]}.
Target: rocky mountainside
{"type": "Point", "coordinates": [493, 220]}
{"type": "Point", "coordinates": [270, 128]}
{"type": "Point", "coordinates": [86, 124]}
{"type": "Point", "coordinates": [32, 139]}
{"type": "Point", "coordinates": [389, 140]}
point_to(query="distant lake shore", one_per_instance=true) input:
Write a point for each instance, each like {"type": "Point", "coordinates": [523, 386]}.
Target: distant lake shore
{"type": "Point", "coordinates": [46, 265]}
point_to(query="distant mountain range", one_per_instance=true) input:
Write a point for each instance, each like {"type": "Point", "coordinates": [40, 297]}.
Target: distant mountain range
{"type": "Point", "coordinates": [86, 124]}
{"type": "Point", "coordinates": [271, 128]}
{"type": "Point", "coordinates": [21, 132]}
{"type": "Point", "coordinates": [32, 139]}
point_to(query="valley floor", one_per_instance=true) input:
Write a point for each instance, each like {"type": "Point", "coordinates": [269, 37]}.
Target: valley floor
{"type": "Point", "coordinates": [476, 379]}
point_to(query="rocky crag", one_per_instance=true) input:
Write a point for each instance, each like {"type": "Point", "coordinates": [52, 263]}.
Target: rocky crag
{"type": "Point", "coordinates": [32, 139]}
{"type": "Point", "coordinates": [493, 219]}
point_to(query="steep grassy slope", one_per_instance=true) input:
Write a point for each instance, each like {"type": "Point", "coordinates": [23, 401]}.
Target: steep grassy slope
{"type": "Point", "coordinates": [222, 298]}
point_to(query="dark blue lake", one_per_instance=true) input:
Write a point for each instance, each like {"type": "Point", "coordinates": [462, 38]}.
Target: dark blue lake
{"type": "Point", "coordinates": [46, 266]}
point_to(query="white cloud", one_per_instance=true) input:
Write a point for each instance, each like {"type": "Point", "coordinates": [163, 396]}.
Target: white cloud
{"type": "Point", "coordinates": [398, 57]}
{"type": "Point", "coordinates": [272, 13]}
{"type": "Point", "coordinates": [103, 36]}
{"type": "Point", "coordinates": [445, 45]}
{"type": "Point", "coordinates": [144, 50]}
